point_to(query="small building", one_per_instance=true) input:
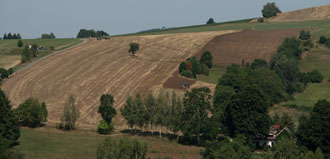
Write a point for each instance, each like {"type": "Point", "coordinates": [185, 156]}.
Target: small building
{"type": "Point", "coordinates": [274, 133]}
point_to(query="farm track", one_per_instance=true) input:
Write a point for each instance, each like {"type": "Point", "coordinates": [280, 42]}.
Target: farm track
{"type": "Point", "coordinates": [96, 67]}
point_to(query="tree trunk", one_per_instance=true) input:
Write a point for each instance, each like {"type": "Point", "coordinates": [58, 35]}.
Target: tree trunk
{"type": "Point", "coordinates": [160, 133]}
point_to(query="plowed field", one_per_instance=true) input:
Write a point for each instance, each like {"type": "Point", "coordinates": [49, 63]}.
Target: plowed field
{"type": "Point", "coordinates": [247, 45]}
{"type": "Point", "coordinates": [103, 66]}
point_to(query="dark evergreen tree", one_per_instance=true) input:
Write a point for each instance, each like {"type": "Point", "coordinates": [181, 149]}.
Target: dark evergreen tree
{"type": "Point", "coordinates": [19, 43]}
{"type": "Point", "coordinates": [182, 67]}
{"type": "Point", "coordinates": [9, 36]}
{"type": "Point", "coordinates": [133, 48]}
{"type": "Point", "coordinates": [106, 108]}
{"type": "Point", "coordinates": [210, 21]}
{"type": "Point", "coordinates": [5, 36]}
{"type": "Point", "coordinates": [9, 127]}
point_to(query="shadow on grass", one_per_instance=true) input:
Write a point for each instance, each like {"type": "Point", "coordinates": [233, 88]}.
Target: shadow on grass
{"type": "Point", "coordinates": [169, 136]}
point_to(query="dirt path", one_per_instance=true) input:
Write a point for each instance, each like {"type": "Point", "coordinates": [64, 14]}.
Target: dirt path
{"type": "Point", "coordinates": [96, 67]}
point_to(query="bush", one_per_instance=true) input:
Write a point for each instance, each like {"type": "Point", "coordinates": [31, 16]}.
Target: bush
{"type": "Point", "coordinates": [4, 73]}
{"type": "Point", "coordinates": [323, 40]}
{"type": "Point", "coordinates": [48, 36]}
{"type": "Point", "coordinates": [121, 149]}
{"type": "Point", "coordinates": [51, 48]}
{"type": "Point", "coordinates": [304, 35]}
{"type": "Point", "coordinates": [31, 113]}
{"type": "Point", "coordinates": [187, 73]}
{"type": "Point", "coordinates": [133, 48]}
{"type": "Point", "coordinates": [104, 127]}
{"type": "Point", "coordinates": [270, 10]}
{"type": "Point", "coordinates": [20, 43]}
{"type": "Point", "coordinates": [312, 77]}
{"type": "Point", "coordinates": [260, 20]}
{"type": "Point", "coordinates": [204, 70]}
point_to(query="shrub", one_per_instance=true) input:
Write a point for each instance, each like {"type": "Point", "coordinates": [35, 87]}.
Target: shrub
{"type": "Point", "coordinates": [304, 35]}
{"type": "Point", "coordinates": [122, 149]}
{"type": "Point", "coordinates": [312, 77]}
{"type": "Point", "coordinates": [31, 113]}
{"type": "Point", "coordinates": [258, 63]}
{"type": "Point", "coordinates": [48, 36]}
{"type": "Point", "coordinates": [187, 73]}
{"type": "Point", "coordinates": [52, 48]}
{"type": "Point", "coordinates": [270, 10]}
{"type": "Point", "coordinates": [260, 20]}
{"type": "Point", "coordinates": [20, 43]}
{"type": "Point", "coordinates": [323, 40]}
{"type": "Point", "coordinates": [133, 47]}
{"type": "Point", "coordinates": [204, 70]}
{"type": "Point", "coordinates": [4, 73]}
{"type": "Point", "coordinates": [104, 127]}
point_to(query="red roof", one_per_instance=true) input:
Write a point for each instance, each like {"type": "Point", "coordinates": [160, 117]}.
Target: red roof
{"type": "Point", "coordinates": [276, 126]}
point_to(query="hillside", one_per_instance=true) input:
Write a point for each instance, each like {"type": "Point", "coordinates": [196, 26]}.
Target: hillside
{"type": "Point", "coordinates": [103, 66]}
{"type": "Point", "coordinates": [314, 13]}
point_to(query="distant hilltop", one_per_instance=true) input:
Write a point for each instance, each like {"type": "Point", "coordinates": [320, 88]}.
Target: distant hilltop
{"type": "Point", "coordinates": [314, 13]}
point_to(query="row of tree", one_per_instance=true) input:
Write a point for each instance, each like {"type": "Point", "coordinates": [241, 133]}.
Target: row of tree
{"type": "Point", "coordinates": [29, 53]}
{"type": "Point", "coordinates": [48, 36]}
{"type": "Point", "coordinates": [12, 36]}
{"type": "Point", "coordinates": [191, 67]}
{"type": "Point", "coordinates": [84, 33]}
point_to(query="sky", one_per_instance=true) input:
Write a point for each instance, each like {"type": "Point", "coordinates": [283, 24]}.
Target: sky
{"type": "Point", "coordinates": [65, 18]}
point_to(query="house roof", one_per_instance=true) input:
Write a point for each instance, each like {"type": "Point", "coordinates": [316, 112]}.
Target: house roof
{"type": "Point", "coordinates": [276, 126]}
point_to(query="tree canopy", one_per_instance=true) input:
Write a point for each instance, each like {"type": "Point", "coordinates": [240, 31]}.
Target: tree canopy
{"type": "Point", "coordinates": [133, 48]}
{"type": "Point", "coordinates": [210, 21]}
{"type": "Point", "coordinates": [270, 10]}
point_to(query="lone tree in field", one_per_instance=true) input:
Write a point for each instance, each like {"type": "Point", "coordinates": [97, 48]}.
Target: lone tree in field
{"type": "Point", "coordinates": [270, 10]}
{"type": "Point", "coordinates": [20, 43]}
{"type": "Point", "coordinates": [70, 115]}
{"type": "Point", "coordinates": [107, 112]}
{"type": "Point", "coordinates": [206, 59]}
{"type": "Point", "coordinates": [210, 21]}
{"type": "Point", "coordinates": [133, 48]}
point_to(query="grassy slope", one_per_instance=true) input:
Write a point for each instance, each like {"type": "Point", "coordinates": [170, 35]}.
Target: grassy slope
{"type": "Point", "coordinates": [320, 27]}
{"type": "Point", "coordinates": [215, 73]}
{"type": "Point", "coordinates": [41, 144]}
{"type": "Point", "coordinates": [10, 53]}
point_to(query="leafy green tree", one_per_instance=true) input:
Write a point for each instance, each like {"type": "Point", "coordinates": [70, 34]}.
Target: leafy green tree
{"type": "Point", "coordinates": [182, 67]}
{"type": "Point", "coordinates": [163, 105]}
{"type": "Point", "coordinates": [322, 40]}
{"type": "Point", "coordinates": [313, 132]}
{"type": "Point", "coordinates": [175, 113]}
{"type": "Point", "coordinates": [311, 77]}
{"type": "Point", "coordinates": [246, 114]}
{"type": "Point", "coordinates": [4, 36]}
{"type": "Point", "coordinates": [195, 65]}
{"type": "Point", "coordinates": [304, 35]}
{"type": "Point", "coordinates": [151, 110]}
{"type": "Point", "coordinates": [270, 10]}
{"type": "Point", "coordinates": [196, 104]}
{"type": "Point", "coordinates": [104, 127]}
{"type": "Point", "coordinates": [206, 59]}
{"type": "Point", "coordinates": [9, 127]}
{"type": "Point", "coordinates": [31, 113]}
{"type": "Point", "coordinates": [25, 54]}
{"type": "Point", "coordinates": [204, 70]}
{"type": "Point", "coordinates": [9, 36]}
{"type": "Point", "coordinates": [286, 148]}
{"type": "Point", "coordinates": [123, 148]}
{"type": "Point", "coordinates": [106, 108]}
{"type": "Point", "coordinates": [20, 43]}
{"type": "Point", "coordinates": [70, 115]}
{"type": "Point", "coordinates": [286, 121]}
{"type": "Point", "coordinates": [129, 112]}
{"type": "Point", "coordinates": [210, 21]}
{"type": "Point", "coordinates": [258, 63]}
{"type": "Point", "coordinates": [134, 47]}
{"type": "Point", "coordinates": [19, 36]}
{"type": "Point", "coordinates": [4, 73]}
{"type": "Point", "coordinates": [187, 73]}
{"type": "Point", "coordinates": [84, 33]}
{"type": "Point", "coordinates": [226, 150]}
{"type": "Point", "coordinates": [34, 50]}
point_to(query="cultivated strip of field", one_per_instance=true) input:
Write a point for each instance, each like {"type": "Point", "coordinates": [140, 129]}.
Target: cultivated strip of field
{"type": "Point", "coordinates": [314, 13]}
{"type": "Point", "coordinates": [104, 66]}
{"type": "Point", "coordinates": [246, 45]}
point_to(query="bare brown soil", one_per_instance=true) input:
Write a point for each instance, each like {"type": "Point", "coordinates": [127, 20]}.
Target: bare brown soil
{"type": "Point", "coordinates": [315, 13]}
{"type": "Point", "coordinates": [247, 45]}
{"type": "Point", "coordinates": [105, 66]}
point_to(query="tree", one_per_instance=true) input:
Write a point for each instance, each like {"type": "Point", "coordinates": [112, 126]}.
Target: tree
{"type": "Point", "coordinates": [34, 50]}
{"type": "Point", "coordinates": [313, 132]}
{"type": "Point", "coordinates": [286, 121]}
{"type": "Point", "coordinates": [246, 114]}
{"type": "Point", "coordinates": [270, 10]}
{"type": "Point", "coordinates": [25, 54]}
{"type": "Point", "coordinates": [19, 36]}
{"type": "Point", "coordinates": [304, 35]}
{"type": "Point", "coordinates": [226, 150]}
{"type": "Point", "coordinates": [210, 21]}
{"type": "Point", "coordinates": [31, 113]}
{"type": "Point", "coordinates": [133, 48]}
{"type": "Point", "coordinates": [206, 59]}
{"type": "Point", "coordinates": [196, 103]}
{"type": "Point", "coordinates": [4, 36]}
{"type": "Point", "coordinates": [286, 148]}
{"type": "Point", "coordinates": [70, 115]}
{"type": "Point", "coordinates": [123, 148]}
{"type": "Point", "coordinates": [9, 36]}
{"type": "Point", "coordinates": [4, 73]}
{"type": "Point", "coordinates": [106, 108]}
{"type": "Point", "coordinates": [323, 40]}
{"type": "Point", "coordinates": [104, 127]}
{"type": "Point", "coordinates": [20, 43]}
{"type": "Point", "coordinates": [9, 127]}
{"type": "Point", "coordinates": [258, 63]}
{"type": "Point", "coordinates": [182, 67]}
{"type": "Point", "coordinates": [129, 112]}
{"type": "Point", "coordinates": [84, 33]}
